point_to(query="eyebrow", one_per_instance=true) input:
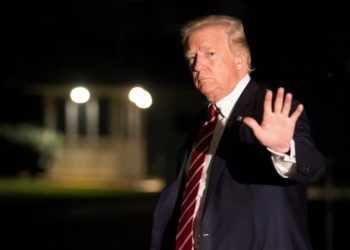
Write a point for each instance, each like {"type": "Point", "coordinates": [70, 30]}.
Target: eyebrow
{"type": "Point", "coordinates": [202, 48]}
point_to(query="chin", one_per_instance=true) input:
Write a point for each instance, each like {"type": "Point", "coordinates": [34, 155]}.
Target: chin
{"type": "Point", "coordinates": [207, 90]}
{"type": "Point", "coordinates": [209, 96]}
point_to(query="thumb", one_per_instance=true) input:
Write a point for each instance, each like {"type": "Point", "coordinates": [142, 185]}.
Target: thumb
{"type": "Point", "coordinates": [252, 123]}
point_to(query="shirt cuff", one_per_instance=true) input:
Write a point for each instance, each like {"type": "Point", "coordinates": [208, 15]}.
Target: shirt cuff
{"type": "Point", "coordinates": [284, 163]}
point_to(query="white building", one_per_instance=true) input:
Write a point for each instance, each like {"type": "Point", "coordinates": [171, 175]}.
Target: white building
{"type": "Point", "coordinates": [105, 139]}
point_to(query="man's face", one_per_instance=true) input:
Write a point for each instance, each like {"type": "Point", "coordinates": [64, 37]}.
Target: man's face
{"type": "Point", "coordinates": [212, 63]}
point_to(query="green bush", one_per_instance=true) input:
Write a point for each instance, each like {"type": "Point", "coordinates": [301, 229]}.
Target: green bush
{"type": "Point", "coordinates": [27, 148]}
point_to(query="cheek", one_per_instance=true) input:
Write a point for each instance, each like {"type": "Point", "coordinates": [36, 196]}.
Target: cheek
{"type": "Point", "coordinates": [220, 72]}
{"type": "Point", "coordinates": [226, 71]}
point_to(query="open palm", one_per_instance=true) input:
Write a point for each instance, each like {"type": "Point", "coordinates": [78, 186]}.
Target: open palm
{"type": "Point", "coordinates": [277, 127]}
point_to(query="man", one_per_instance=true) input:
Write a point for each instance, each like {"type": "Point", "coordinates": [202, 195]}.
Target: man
{"type": "Point", "coordinates": [242, 177]}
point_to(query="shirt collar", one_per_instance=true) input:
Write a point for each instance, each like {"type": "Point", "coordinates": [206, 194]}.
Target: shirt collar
{"type": "Point", "coordinates": [226, 104]}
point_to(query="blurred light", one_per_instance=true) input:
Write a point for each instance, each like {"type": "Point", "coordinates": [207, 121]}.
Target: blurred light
{"type": "Point", "coordinates": [80, 95]}
{"type": "Point", "coordinates": [141, 97]}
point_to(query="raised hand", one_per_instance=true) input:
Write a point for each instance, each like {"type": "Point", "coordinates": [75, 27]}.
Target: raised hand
{"type": "Point", "coordinates": [277, 127]}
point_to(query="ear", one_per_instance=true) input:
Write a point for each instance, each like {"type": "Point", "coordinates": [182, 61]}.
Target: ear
{"type": "Point", "coordinates": [240, 59]}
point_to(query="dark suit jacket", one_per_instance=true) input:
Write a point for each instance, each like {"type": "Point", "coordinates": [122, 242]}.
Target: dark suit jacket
{"type": "Point", "coordinates": [248, 205]}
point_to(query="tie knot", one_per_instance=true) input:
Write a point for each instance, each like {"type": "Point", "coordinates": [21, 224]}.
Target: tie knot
{"type": "Point", "coordinates": [213, 111]}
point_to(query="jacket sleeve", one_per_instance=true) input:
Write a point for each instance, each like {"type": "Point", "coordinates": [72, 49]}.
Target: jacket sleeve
{"type": "Point", "coordinates": [310, 163]}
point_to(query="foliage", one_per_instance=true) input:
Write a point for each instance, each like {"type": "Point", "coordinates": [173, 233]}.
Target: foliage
{"type": "Point", "coordinates": [27, 148]}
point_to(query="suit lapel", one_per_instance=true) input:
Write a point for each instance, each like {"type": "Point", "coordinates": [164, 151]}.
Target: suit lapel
{"type": "Point", "coordinates": [240, 110]}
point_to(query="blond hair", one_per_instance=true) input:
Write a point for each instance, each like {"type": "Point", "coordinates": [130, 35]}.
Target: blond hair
{"type": "Point", "coordinates": [232, 25]}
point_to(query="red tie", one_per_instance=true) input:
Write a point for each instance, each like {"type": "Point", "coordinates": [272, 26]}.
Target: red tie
{"type": "Point", "coordinates": [185, 227]}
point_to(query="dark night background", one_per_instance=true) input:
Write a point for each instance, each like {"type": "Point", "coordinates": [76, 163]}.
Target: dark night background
{"type": "Point", "coordinates": [302, 45]}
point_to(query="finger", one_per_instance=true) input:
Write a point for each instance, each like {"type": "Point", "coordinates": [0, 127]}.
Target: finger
{"type": "Point", "coordinates": [268, 102]}
{"type": "Point", "coordinates": [297, 112]}
{"type": "Point", "coordinates": [253, 124]}
{"type": "Point", "coordinates": [287, 104]}
{"type": "Point", "coordinates": [279, 100]}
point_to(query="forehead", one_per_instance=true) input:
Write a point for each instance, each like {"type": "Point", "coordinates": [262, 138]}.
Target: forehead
{"type": "Point", "coordinates": [208, 36]}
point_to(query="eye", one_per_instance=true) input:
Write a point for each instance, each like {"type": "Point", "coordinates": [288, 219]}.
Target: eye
{"type": "Point", "coordinates": [210, 53]}
{"type": "Point", "coordinates": [191, 59]}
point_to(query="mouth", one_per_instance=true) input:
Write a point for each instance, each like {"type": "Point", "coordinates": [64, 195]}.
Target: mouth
{"type": "Point", "coordinates": [200, 77]}
{"type": "Point", "coordinates": [203, 79]}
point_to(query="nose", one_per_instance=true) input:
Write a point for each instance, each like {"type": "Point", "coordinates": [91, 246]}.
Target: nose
{"type": "Point", "coordinates": [197, 64]}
